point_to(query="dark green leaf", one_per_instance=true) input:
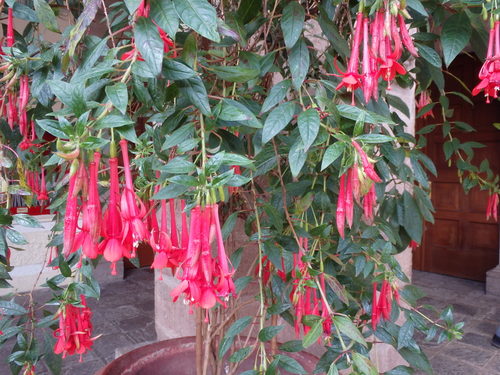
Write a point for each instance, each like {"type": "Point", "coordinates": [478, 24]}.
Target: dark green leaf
{"type": "Point", "coordinates": [297, 157]}
{"type": "Point", "coordinates": [235, 73]}
{"type": "Point", "coordinates": [118, 96]}
{"type": "Point", "coordinates": [195, 90]}
{"type": "Point", "coordinates": [455, 36]}
{"type": "Point", "coordinates": [176, 70]}
{"type": "Point", "coordinates": [276, 95]}
{"type": "Point", "coordinates": [347, 327]}
{"type": "Point", "coordinates": [412, 221]}
{"type": "Point", "coordinates": [309, 124]}
{"type": "Point", "coordinates": [400, 370]}
{"type": "Point", "coordinates": [170, 191]}
{"type": "Point", "coordinates": [374, 138]}
{"type": "Point", "coordinates": [200, 16]}
{"type": "Point", "coordinates": [46, 15]}
{"type": "Point", "coordinates": [416, 359]}
{"type": "Point", "coordinates": [268, 333]}
{"type": "Point", "coordinates": [298, 61]}
{"type": "Point", "coordinates": [332, 153]}
{"type": "Point", "coordinates": [149, 44]}
{"type": "Point", "coordinates": [292, 23]}
{"type": "Point", "coordinates": [291, 365]}
{"type": "Point", "coordinates": [26, 220]}
{"type": "Point", "coordinates": [292, 346]}
{"type": "Point", "coordinates": [164, 14]}
{"type": "Point", "coordinates": [240, 355]}
{"type": "Point", "coordinates": [313, 335]}
{"type": "Point", "coordinates": [11, 308]}
{"type": "Point", "coordinates": [405, 336]}
{"type": "Point", "coordinates": [429, 55]}
{"type": "Point", "coordinates": [277, 120]}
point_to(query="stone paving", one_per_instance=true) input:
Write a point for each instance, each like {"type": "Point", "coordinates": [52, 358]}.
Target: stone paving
{"type": "Point", "coordinates": [473, 355]}
{"type": "Point", "coordinates": [124, 317]}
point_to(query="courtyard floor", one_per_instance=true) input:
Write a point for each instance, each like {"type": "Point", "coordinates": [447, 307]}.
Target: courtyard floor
{"type": "Point", "coordinates": [124, 317]}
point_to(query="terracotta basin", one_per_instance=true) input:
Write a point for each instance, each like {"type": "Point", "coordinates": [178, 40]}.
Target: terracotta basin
{"type": "Point", "coordinates": [177, 357]}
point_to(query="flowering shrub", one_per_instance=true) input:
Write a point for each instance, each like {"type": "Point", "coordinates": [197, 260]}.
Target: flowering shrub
{"type": "Point", "coordinates": [279, 114]}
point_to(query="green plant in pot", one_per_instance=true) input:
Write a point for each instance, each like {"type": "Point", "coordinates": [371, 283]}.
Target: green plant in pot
{"type": "Point", "coordinates": [166, 122]}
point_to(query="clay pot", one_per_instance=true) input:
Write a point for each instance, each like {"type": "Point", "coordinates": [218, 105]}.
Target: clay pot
{"type": "Point", "coordinates": [177, 357]}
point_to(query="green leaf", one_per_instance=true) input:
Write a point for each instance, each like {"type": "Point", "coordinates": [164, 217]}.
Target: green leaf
{"type": "Point", "coordinates": [26, 220]}
{"type": "Point", "coordinates": [347, 327]}
{"type": "Point", "coordinates": [132, 5]}
{"type": "Point", "coordinates": [183, 133]}
{"type": "Point", "coordinates": [374, 138]}
{"type": "Point", "coordinates": [291, 365]}
{"type": "Point", "coordinates": [46, 15]}
{"type": "Point", "coordinates": [277, 120]}
{"type": "Point", "coordinates": [118, 96]}
{"type": "Point", "coordinates": [292, 23]}
{"type": "Point", "coordinates": [412, 221]}
{"type": "Point", "coordinates": [15, 237]}
{"type": "Point", "coordinates": [239, 74]}
{"type": "Point", "coordinates": [298, 61]}
{"type": "Point", "coordinates": [248, 10]}
{"type": "Point", "coordinates": [405, 336]}
{"type": "Point", "coordinates": [313, 335]}
{"type": "Point", "coordinates": [164, 14]}
{"type": "Point", "coordinates": [416, 359]}
{"type": "Point", "coordinates": [241, 354]}
{"type": "Point", "coordinates": [332, 153]}
{"type": "Point", "coordinates": [114, 120]}
{"type": "Point", "coordinates": [200, 16]}
{"type": "Point", "coordinates": [455, 36]}
{"type": "Point", "coordinates": [229, 224]}
{"type": "Point", "coordinates": [333, 370]}
{"type": "Point", "coordinates": [353, 113]}
{"type": "Point", "coordinates": [297, 157]}
{"type": "Point", "coordinates": [268, 333]}
{"type": "Point", "coordinates": [82, 23]}
{"type": "Point", "coordinates": [400, 370]}
{"type": "Point", "coordinates": [429, 55]}
{"type": "Point", "coordinates": [276, 95]}
{"type": "Point", "coordinates": [178, 165]}
{"type": "Point", "coordinates": [52, 127]}
{"type": "Point", "coordinates": [292, 346]}
{"type": "Point", "coordinates": [176, 70]}
{"type": "Point", "coordinates": [309, 124]}
{"type": "Point", "coordinates": [417, 6]}
{"type": "Point", "coordinates": [11, 308]}
{"type": "Point", "coordinates": [195, 90]}
{"type": "Point", "coordinates": [170, 191]}
{"type": "Point", "coordinates": [149, 44]}
{"type": "Point", "coordinates": [236, 328]}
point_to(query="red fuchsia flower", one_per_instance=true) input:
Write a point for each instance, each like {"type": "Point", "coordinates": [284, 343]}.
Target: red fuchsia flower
{"type": "Point", "coordinates": [341, 206]}
{"type": "Point", "coordinates": [10, 28]}
{"type": "Point", "coordinates": [143, 9]}
{"type": "Point", "coordinates": [173, 224]}
{"type": "Point", "coordinates": [12, 114]}
{"type": "Point", "coordinates": [205, 280]}
{"type": "Point", "coordinates": [167, 42]}
{"type": "Point", "coordinates": [71, 215]}
{"type": "Point", "coordinates": [423, 100]}
{"type": "Point", "coordinates": [130, 54]}
{"type": "Point", "coordinates": [367, 165]}
{"type": "Point", "coordinates": [94, 201]}
{"type": "Point", "coordinates": [132, 209]}
{"type": "Point", "coordinates": [28, 369]}
{"type": "Point", "coordinates": [369, 201]}
{"type": "Point", "coordinates": [414, 244]}
{"type": "Point", "coordinates": [351, 79]}
{"type": "Point", "coordinates": [42, 195]}
{"type": "Point", "coordinates": [349, 202]}
{"type": "Point", "coordinates": [490, 71]}
{"type": "Point", "coordinates": [369, 77]}
{"type": "Point", "coordinates": [389, 65]}
{"type": "Point", "coordinates": [184, 227]}
{"type": "Point", "coordinates": [406, 37]}
{"type": "Point", "coordinates": [492, 208]}
{"type": "Point", "coordinates": [382, 307]}
{"type": "Point", "coordinates": [75, 329]}
{"type": "Point", "coordinates": [162, 245]}
{"type": "Point", "coordinates": [111, 246]}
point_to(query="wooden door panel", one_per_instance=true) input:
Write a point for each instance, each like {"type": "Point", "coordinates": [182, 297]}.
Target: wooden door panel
{"type": "Point", "coordinates": [461, 242]}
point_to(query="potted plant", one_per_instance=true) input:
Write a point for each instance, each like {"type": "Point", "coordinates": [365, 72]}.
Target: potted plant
{"type": "Point", "coordinates": [163, 122]}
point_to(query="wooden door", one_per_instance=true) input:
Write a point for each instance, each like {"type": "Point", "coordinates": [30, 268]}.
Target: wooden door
{"type": "Point", "coordinates": [461, 242]}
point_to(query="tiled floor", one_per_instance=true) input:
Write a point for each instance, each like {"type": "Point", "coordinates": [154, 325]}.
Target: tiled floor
{"type": "Point", "coordinates": [473, 355]}
{"type": "Point", "coordinates": [124, 316]}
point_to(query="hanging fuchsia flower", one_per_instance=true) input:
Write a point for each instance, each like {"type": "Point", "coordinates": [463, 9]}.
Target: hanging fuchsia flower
{"type": "Point", "coordinates": [132, 209]}
{"type": "Point", "coordinates": [492, 207]}
{"type": "Point", "coordinates": [162, 245]}
{"type": "Point", "coordinates": [382, 306]}
{"type": "Point", "coordinates": [75, 329]}
{"type": "Point", "coordinates": [490, 71]}
{"type": "Point", "coordinates": [112, 247]}
{"type": "Point", "coordinates": [423, 100]}
{"type": "Point", "coordinates": [341, 206]}
{"type": "Point", "coordinates": [205, 279]}
{"type": "Point", "coordinates": [10, 28]}
{"type": "Point", "coordinates": [42, 195]}
{"type": "Point", "coordinates": [406, 37]}
{"type": "Point", "coordinates": [369, 201]}
{"type": "Point", "coordinates": [94, 202]}
{"type": "Point", "coordinates": [71, 215]}
{"type": "Point", "coordinates": [369, 77]}
{"type": "Point", "coordinates": [367, 165]}
{"type": "Point", "coordinates": [351, 79]}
